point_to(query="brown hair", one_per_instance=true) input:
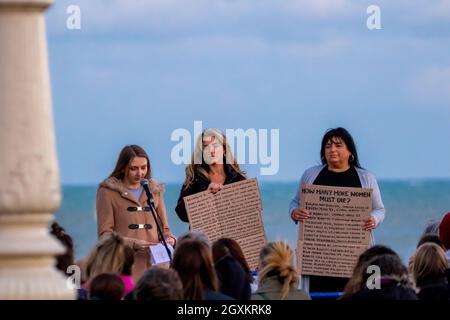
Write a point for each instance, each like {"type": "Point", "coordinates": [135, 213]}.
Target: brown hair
{"type": "Point", "coordinates": [430, 262]}
{"type": "Point", "coordinates": [193, 261]}
{"type": "Point", "coordinates": [228, 246]}
{"type": "Point", "coordinates": [390, 266]}
{"type": "Point", "coordinates": [127, 155]}
{"type": "Point", "coordinates": [159, 284]}
{"type": "Point", "coordinates": [276, 258]}
{"type": "Point", "coordinates": [355, 283]}
{"type": "Point", "coordinates": [63, 261]}
{"type": "Point", "coordinates": [128, 260]}
{"type": "Point", "coordinates": [108, 256]}
{"type": "Point", "coordinates": [107, 286]}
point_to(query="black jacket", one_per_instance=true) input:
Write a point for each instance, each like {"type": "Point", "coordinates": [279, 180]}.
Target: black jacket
{"type": "Point", "coordinates": [391, 290]}
{"type": "Point", "coordinates": [233, 280]}
{"type": "Point", "coordinates": [434, 290]}
{"type": "Point", "coordinates": [201, 184]}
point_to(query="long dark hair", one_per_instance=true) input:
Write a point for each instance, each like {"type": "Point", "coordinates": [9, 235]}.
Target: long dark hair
{"type": "Point", "coordinates": [127, 155]}
{"type": "Point", "coordinates": [224, 246]}
{"type": "Point", "coordinates": [345, 136]}
{"type": "Point", "coordinates": [193, 261]}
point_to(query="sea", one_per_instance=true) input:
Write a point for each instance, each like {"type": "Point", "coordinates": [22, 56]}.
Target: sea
{"type": "Point", "coordinates": [409, 204]}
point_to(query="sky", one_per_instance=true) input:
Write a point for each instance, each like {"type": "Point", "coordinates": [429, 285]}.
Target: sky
{"type": "Point", "coordinates": [137, 71]}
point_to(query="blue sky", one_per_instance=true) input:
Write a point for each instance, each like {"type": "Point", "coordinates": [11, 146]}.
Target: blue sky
{"type": "Point", "coordinates": [138, 70]}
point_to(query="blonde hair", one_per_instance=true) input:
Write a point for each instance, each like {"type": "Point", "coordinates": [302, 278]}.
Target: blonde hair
{"type": "Point", "coordinates": [108, 256]}
{"type": "Point", "coordinates": [430, 261]}
{"type": "Point", "coordinates": [276, 258]}
{"type": "Point", "coordinates": [198, 166]}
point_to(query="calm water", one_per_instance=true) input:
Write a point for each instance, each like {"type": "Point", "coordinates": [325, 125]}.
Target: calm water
{"type": "Point", "coordinates": [409, 206]}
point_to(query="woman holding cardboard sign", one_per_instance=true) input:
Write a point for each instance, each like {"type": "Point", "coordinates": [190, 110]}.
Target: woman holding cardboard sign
{"type": "Point", "coordinates": [212, 166]}
{"type": "Point", "coordinates": [340, 168]}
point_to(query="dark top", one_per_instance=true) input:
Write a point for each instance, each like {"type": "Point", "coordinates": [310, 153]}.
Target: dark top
{"type": "Point", "coordinates": [200, 184]}
{"type": "Point", "coordinates": [212, 295]}
{"type": "Point", "coordinates": [233, 280]}
{"type": "Point", "coordinates": [347, 178]}
{"type": "Point", "coordinates": [391, 290]}
{"type": "Point", "coordinates": [436, 289]}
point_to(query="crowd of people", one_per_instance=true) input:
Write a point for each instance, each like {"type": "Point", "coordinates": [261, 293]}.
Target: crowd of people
{"type": "Point", "coordinates": [219, 271]}
{"type": "Point", "coordinates": [132, 219]}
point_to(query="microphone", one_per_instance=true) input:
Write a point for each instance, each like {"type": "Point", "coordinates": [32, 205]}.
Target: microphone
{"type": "Point", "coordinates": [145, 185]}
{"type": "Point", "coordinates": [151, 203]}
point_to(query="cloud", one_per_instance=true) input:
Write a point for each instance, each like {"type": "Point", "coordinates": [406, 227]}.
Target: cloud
{"type": "Point", "coordinates": [429, 10]}
{"type": "Point", "coordinates": [431, 85]}
{"type": "Point", "coordinates": [178, 15]}
{"type": "Point", "coordinates": [319, 8]}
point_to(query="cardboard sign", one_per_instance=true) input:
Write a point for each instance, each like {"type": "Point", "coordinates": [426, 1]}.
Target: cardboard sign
{"type": "Point", "coordinates": [331, 240]}
{"type": "Point", "coordinates": [233, 212]}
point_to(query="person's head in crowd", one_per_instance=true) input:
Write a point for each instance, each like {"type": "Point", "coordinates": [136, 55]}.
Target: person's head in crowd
{"type": "Point", "coordinates": [430, 263]}
{"type": "Point", "coordinates": [193, 262]}
{"type": "Point", "coordinates": [106, 286]}
{"type": "Point", "coordinates": [194, 235]}
{"type": "Point", "coordinates": [432, 227]}
{"type": "Point", "coordinates": [444, 231]}
{"type": "Point", "coordinates": [159, 284]}
{"type": "Point", "coordinates": [108, 256]}
{"type": "Point", "coordinates": [429, 238]}
{"type": "Point", "coordinates": [384, 277]}
{"type": "Point", "coordinates": [425, 238]}
{"type": "Point", "coordinates": [227, 246]}
{"type": "Point", "coordinates": [211, 149]}
{"type": "Point", "coordinates": [338, 149]}
{"type": "Point", "coordinates": [276, 260]}
{"type": "Point", "coordinates": [390, 266]}
{"type": "Point", "coordinates": [63, 261]}
{"type": "Point", "coordinates": [234, 280]}
{"type": "Point", "coordinates": [356, 282]}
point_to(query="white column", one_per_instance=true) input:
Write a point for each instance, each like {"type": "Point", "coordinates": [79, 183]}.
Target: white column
{"type": "Point", "coordinates": [29, 177]}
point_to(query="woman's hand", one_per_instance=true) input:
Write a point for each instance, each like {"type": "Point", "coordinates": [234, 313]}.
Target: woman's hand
{"type": "Point", "coordinates": [369, 224]}
{"type": "Point", "coordinates": [300, 215]}
{"type": "Point", "coordinates": [214, 187]}
{"type": "Point", "coordinates": [141, 245]}
{"type": "Point", "coordinates": [171, 241]}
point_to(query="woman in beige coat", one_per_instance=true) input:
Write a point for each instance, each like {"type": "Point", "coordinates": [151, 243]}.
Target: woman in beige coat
{"type": "Point", "coordinates": [122, 206]}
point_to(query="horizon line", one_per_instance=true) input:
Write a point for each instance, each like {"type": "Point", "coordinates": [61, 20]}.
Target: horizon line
{"type": "Point", "coordinates": [281, 181]}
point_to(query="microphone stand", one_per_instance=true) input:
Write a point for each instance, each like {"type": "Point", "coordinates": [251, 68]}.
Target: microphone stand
{"type": "Point", "coordinates": [151, 203]}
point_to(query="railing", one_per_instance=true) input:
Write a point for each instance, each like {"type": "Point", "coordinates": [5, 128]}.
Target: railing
{"type": "Point", "coordinates": [314, 295]}
{"type": "Point", "coordinates": [325, 295]}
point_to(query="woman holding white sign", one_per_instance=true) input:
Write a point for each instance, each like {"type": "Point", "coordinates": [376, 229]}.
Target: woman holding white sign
{"type": "Point", "coordinates": [212, 166]}
{"type": "Point", "coordinates": [340, 168]}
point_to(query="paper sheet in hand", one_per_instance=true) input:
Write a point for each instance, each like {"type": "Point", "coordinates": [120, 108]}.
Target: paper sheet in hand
{"type": "Point", "coordinates": [158, 254]}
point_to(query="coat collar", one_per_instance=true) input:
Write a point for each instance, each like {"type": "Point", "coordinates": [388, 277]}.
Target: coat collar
{"type": "Point", "coordinates": [114, 184]}
{"type": "Point", "coordinates": [117, 185]}
{"type": "Point", "coordinates": [270, 284]}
